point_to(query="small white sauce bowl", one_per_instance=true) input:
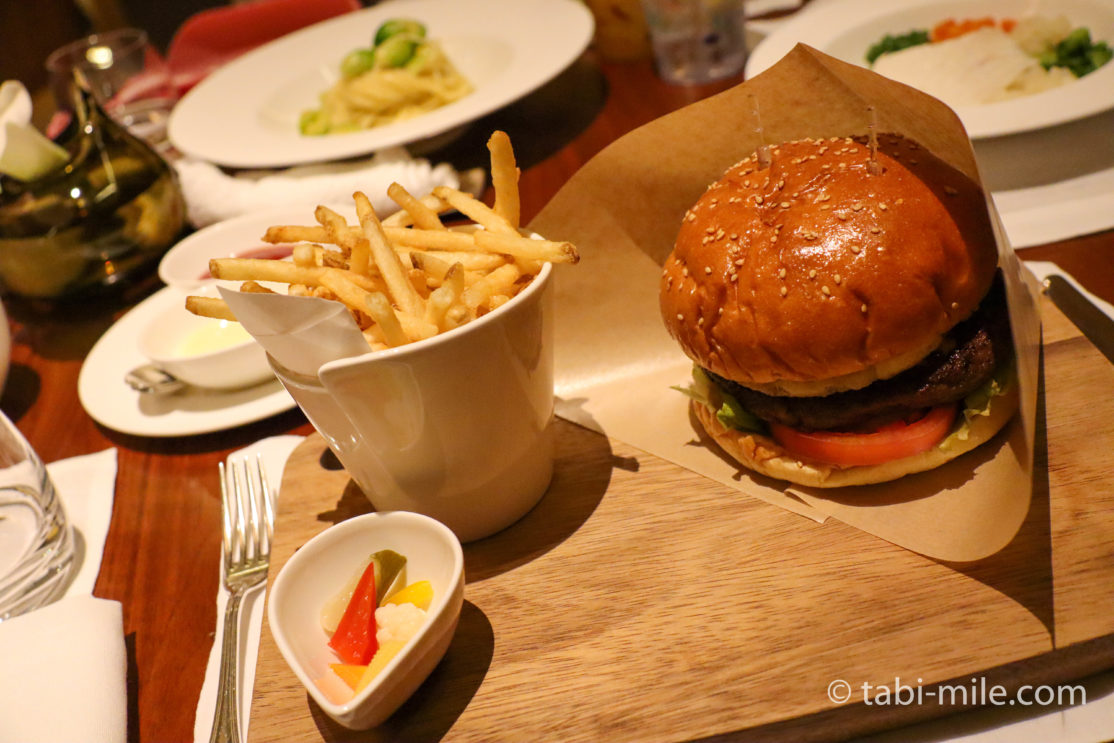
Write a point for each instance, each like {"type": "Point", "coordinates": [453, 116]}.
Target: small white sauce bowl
{"type": "Point", "coordinates": [319, 569]}
{"type": "Point", "coordinates": [163, 341]}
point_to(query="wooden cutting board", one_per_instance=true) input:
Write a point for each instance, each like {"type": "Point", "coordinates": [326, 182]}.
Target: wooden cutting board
{"type": "Point", "coordinates": [639, 601]}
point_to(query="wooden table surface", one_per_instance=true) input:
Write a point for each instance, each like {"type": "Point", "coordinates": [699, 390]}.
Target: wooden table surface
{"type": "Point", "coordinates": [161, 556]}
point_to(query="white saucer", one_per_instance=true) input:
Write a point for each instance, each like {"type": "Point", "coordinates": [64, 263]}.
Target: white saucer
{"type": "Point", "coordinates": [108, 399]}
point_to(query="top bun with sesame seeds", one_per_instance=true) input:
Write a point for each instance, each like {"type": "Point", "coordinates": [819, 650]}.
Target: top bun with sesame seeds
{"type": "Point", "coordinates": [828, 269]}
{"type": "Point", "coordinates": [843, 309]}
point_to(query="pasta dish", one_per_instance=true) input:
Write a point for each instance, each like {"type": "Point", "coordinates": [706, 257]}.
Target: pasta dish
{"type": "Point", "coordinates": [401, 76]}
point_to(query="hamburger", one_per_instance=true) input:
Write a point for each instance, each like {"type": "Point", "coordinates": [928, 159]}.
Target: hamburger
{"type": "Point", "coordinates": [842, 304]}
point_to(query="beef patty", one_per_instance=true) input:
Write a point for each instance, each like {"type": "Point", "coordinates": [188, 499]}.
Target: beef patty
{"type": "Point", "coordinates": [966, 359]}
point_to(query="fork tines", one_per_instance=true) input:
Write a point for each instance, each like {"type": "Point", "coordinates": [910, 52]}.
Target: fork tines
{"type": "Point", "coordinates": [248, 512]}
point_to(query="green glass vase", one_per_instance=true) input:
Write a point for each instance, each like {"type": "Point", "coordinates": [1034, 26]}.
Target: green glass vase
{"type": "Point", "coordinates": [94, 226]}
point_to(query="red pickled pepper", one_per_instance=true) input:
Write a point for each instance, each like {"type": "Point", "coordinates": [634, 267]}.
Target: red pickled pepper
{"type": "Point", "coordinates": [354, 640]}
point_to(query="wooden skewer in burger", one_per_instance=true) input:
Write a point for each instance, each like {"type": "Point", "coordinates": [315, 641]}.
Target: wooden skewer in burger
{"type": "Point", "coordinates": [844, 312]}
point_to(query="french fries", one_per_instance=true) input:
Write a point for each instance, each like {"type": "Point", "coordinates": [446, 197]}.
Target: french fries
{"type": "Point", "coordinates": [409, 276]}
{"type": "Point", "coordinates": [476, 210]}
{"type": "Point", "coordinates": [499, 281]}
{"type": "Point", "coordinates": [422, 215]}
{"type": "Point", "coordinates": [504, 177]}
{"type": "Point", "coordinates": [402, 291]}
{"type": "Point", "coordinates": [263, 269]}
{"type": "Point", "coordinates": [538, 250]}
{"type": "Point", "coordinates": [445, 298]}
{"type": "Point", "coordinates": [384, 315]}
{"type": "Point", "coordinates": [213, 307]}
{"type": "Point", "coordinates": [404, 218]}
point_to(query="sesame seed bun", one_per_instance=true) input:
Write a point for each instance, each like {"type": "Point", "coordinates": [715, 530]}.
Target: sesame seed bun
{"type": "Point", "coordinates": [827, 270]}
{"type": "Point", "coordinates": [763, 455]}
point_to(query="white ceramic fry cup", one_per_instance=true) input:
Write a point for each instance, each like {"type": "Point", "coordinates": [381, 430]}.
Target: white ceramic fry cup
{"type": "Point", "coordinates": [456, 427]}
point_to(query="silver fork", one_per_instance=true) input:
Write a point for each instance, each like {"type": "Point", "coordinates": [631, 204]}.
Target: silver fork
{"type": "Point", "coordinates": [249, 519]}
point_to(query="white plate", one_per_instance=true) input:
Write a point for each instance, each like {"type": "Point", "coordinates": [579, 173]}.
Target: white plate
{"type": "Point", "coordinates": [846, 29]}
{"type": "Point", "coordinates": [246, 113]}
{"type": "Point", "coordinates": [112, 403]}
{"type": "Point", "coordinates": [185, 264]}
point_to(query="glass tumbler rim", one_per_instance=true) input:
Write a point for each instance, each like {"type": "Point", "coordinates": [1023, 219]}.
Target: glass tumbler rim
{"type": "Point", "coordinates": [68, 55]}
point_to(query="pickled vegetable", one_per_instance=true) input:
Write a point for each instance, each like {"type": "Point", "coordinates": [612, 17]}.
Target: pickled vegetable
{"type": "Point", "coordinates": [354, 640]}
{"type": "Point", "coordinates": [420, 594]}
{"type": "Point", "coordinates": [390, 569]}
{"type": "Point", "coordinates": [387, 651]}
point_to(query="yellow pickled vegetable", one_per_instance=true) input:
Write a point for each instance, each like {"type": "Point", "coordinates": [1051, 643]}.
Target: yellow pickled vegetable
{"type": "Point", "coordinates": [382, 657]}
{"type": "Point", "coordinates": [420, 594]}
{"type": "Point", "coordinates": [349, 673]}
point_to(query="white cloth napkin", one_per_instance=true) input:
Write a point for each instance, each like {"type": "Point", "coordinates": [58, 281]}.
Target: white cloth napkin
{"type": "Point", "coordinates": [87, 487]}
{"type": "Point", "coordinates": [1061, 205]}
{"type": "Point", "coordinates": [63, 675]}
{"type": "Point", "coordinates": [275, 451]}
{"type": "Point", "coordinates": [63, 667]}
{"type": "Point", "coordinates": [212, 195]}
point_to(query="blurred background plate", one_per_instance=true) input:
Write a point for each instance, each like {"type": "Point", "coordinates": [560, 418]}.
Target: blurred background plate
{"type": "Point", "coordinates": [846, 29]}
{"type": "Point", "coordinates": [246, 113]}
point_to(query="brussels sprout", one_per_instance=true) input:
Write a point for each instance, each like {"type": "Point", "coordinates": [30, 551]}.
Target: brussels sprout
{"type": "Point", "coordinates": [313, 123]}
{"type": "Point", "coordinates": [356, 63]}
{"type": "Point", "coordinates": [395, 26]}
{"type": "Point", "coordinates": [423, 55]}
{"type": "Point", "coordinates": [395, 52]}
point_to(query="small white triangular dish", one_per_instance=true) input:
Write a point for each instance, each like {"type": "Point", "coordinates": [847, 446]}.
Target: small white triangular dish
{"type": "Point", "coordinates": [319, 570]}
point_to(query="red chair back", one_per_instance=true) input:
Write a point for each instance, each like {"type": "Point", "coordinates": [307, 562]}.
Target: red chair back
{"type": "Point", "coordinates": [215, 36]}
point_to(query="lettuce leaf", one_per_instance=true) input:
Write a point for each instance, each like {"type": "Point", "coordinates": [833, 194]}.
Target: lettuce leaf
{"type": "Point", "coordinates": [979, 403]}
{"type": "Point", "coordinates": [728, 410]}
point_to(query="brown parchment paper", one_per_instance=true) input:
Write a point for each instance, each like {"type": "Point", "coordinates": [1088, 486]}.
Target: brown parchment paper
{"type": "Point", "coordinates": [616, 363]}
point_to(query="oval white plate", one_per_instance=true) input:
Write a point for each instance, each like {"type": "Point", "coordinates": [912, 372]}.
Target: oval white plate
{"type": "Point", "coordinates": [108, 399]}
{"type": "Point", "coordinates": [246, 113]}
{"type": "Point", "coordinates": [184, 265]}
{"type": "Point", "coordinates": [846, 29]}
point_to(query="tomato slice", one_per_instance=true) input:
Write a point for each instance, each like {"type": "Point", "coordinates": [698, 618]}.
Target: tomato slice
{"type": "Point", "coordinates": [893, 441]}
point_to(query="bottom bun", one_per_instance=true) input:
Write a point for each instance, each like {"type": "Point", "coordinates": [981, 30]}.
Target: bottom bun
{"type": "Point", "coordinates": [764, 455]}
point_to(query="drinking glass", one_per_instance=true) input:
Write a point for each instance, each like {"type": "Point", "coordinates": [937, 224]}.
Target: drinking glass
{"type": "Point", "coordinates": [620, 33]}
{"type": "Point", "coordinates": [126, 75]}
{"type": "Point", "coordinates": [36, 543]}
{"type": "Point", "coordinates": [696, 41]}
